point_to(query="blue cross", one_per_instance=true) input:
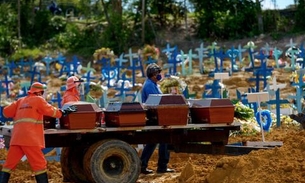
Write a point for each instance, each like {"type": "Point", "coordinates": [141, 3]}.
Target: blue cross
{"type": "Point", "coordinates": [10, 66]}
{"type": "Point", "coordinates": [232, 54]}
{"type": "Point", "coordinates": [88, 78]}
{"type": "Point", "coordinates": [182, 59]}
{"type": "Point", "coordinates": [302, 55]}
{"type": "Point", "coordinates": [21, 65]}
{"type": "Point", "coordinates": [48, 60]}
{"type": "Point", "coordinates": [291, 44]}
{"type": "Point", "coordinates": [120, 65]}
{"type": "Point", "coordinates": [137, 65]}
{"type": "Point", "coordinates": [263, 57]}
{"type": "Point", "coordinates": [217, 54]}
{"type": "Point", "coordinates": [34, 72]}
{"type": "Point", "coordinates": [65, 68]}
{"type": "Point", "coordinates": [7, 81]}
{"type": "Point", "coordinates": [277, 102]}
{"type": "Point", "coordinates": [267, 49]}
{"type": "Point", "coordinates": [108, 72]}
{"type": "Point", "coordinates": [299, 90]}
{"type": "Point", "coordinates": [201, 54]}
{"type": "Point", "coordinates": [122, 89]}
{"type": "Point", "coordinates": [168, 49]}
{"type": "Point", "coordinates": [276, 54]}
{"type": "Point", "coordinates": [75, 63]}
{"type": "Point", "coordinates": [172, 61]}
{"type": "Point", "coordinates": [263, 71]}
{"type": "Point", "coordinates": [214, 88]}
{"type": "Point", "coordinates": [61, 59]}
{"type": "Point", "coordinates": [88, 68]}
{"type": "Point", "coordinates": [57, 99]}
{"type": "Point", "coordinates": [131, 56]}
{"type": "Point", "coordinates": [240, 53]}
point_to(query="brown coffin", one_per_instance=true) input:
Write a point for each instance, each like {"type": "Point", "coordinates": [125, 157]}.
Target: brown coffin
{"type": "Point", "coordinates": [123, 114]}
{"type": "Point", "coordinates": [166, 109]}
{"type": "Point", "coordinates": [88, 116]}
{"type": "Point", "coordinates": [211, 111]}
{"type": "Point", "coordinates": [49, 122]}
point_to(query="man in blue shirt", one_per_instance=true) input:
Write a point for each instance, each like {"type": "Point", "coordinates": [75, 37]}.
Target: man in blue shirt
{"type": "Point", "coordinates": [150, 87]}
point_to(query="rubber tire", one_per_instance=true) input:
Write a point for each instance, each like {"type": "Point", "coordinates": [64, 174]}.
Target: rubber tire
{"type": "Point", "coordinates": [72, 163]}
{"type": "Point", "coordinates": [266, 124]}
{"type": "Point", "coordinates": [64, 162]}
{"type": "Point", "coordinates": [116, 153]}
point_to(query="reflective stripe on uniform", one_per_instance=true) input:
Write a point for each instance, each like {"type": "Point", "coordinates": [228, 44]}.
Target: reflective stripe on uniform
{"type": "Point", "coordinates": [28, 120]}
{"type": "Point", "coordinates": [7, 170]}
{"type": "Point", "coordinates": [54, 112]}
{"type": "Point", "coordinates": [40, 172]}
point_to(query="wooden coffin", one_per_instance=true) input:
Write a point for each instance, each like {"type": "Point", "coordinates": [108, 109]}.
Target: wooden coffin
{"type": "Point", "coordinates": [211, 111]}
{"type": "Point", "coordinates": [49, 122]}
{"type": "Point", "coordinates": [88, 116]}
{"type": "Point", "coordinates": [123, 114]}
{"type": "Point", "coordinates": [166, 109]}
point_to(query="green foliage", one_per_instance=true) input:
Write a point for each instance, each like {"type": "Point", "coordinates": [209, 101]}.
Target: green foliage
{"type": "Point", "coordinates": [109, 24]}
{"type": "Point", "coordinates": [8, 29]}
{"type": "Point", "coordinates": [299, 16]}
{"type": "Point", "coordinates": [243, 112]}
{"type": "Point", "coordinates": [27, 53]}
{"type": "Point", "coordinates": [225, 19]}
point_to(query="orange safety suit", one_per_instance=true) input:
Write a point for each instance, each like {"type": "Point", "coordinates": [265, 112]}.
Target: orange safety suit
{"type": "Point", "coordinates": [71, 95]}
{"type": "Point", "coordinates": [28, 132]}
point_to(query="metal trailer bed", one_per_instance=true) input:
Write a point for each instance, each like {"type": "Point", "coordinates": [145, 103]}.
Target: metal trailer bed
{"type": "Point", "coordinates": [107, 154]}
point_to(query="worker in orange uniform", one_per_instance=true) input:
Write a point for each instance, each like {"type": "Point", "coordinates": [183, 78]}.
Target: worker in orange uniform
{"type": "Point", "coordinates": [28, 132]}
{"type": "Point", "coordinates": [73, 91]}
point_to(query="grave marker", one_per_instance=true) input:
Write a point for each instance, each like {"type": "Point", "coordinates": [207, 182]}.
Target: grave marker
{"type": "Point", "coordinates": [201, 55]}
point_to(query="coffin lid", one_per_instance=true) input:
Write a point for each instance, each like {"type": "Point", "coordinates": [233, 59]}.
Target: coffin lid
{"type": "Point", "coordinates": [211, 102]}
{"type": "Point", "coordinates": [165, 99]}
{"type": "Point", "coordinates": [124, 107]}
{"type": "Point", "coordinates": [83, 107]}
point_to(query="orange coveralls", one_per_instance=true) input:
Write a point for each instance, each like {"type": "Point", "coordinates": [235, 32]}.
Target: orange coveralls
{"type": "Point", "coordinates": [28, 132]}
{"type": "Point", "coordinates": [71, 95]}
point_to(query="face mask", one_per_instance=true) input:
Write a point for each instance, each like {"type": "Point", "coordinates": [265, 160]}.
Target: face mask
{"type": "Point", "coordinates": [159, 77]}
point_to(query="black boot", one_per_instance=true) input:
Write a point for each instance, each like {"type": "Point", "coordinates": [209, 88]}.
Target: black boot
{"type": "Point", "coordinates": [42, 178]}
{"type": "Point", "coordinates": [4, 177]}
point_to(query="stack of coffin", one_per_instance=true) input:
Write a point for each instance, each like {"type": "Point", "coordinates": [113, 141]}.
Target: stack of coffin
{"type": "Point", "coordinates": [166, 109]}
{"type": "Point", "coordinates": [211, 111]}
{"type": "Point", "coordinates": [123, 114]}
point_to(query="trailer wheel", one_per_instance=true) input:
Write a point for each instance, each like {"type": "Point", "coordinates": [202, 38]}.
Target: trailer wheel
{"type": "Point", "coordinates": [72, 163]}
{"type": "Point", "coordinates": [64, 162]}
{"type": "Point", "coordinates": [112, 161]}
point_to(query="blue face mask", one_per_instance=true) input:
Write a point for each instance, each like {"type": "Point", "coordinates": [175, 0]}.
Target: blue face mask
{"type": "Point", "coordinates": [159, 77]}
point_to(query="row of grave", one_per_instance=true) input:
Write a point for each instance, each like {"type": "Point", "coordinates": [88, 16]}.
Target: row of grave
{"type": "Point", "coordinates": [175, 58]}
{"type": "Point", "coordinates": [213, 90]}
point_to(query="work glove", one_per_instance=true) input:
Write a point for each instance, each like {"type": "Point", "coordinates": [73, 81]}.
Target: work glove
{"type": "Point", "coordinates": [69, 110]}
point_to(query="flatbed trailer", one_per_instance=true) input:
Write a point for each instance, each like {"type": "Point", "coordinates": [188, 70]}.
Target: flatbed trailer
{"type": "Point", "coordinates": [108, 154]}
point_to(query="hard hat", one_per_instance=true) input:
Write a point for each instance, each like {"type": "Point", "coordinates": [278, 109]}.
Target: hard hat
{"type": "Point", "coordinates": [152, 69]}
{"type": "Point", "coordinates": [37, 87]}
{"type": "Point", "coordinates": [72, 82]}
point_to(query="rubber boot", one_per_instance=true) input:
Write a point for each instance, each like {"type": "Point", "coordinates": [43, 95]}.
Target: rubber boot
{"type": "Point", "coordinates": [42, 178]}
{"type": "Point", "coordinates": [4, 177]}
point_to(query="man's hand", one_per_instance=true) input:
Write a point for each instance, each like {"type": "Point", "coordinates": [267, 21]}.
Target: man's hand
{"type": "Point", "coordinates": [69, 110]}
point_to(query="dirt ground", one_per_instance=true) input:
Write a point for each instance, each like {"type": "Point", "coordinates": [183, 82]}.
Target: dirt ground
{"type": "Point", "coordinates": [274, 165]}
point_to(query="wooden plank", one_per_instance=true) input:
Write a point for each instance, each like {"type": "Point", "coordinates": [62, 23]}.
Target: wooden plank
{"type": "Point", "coordinates": [264, 144]}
